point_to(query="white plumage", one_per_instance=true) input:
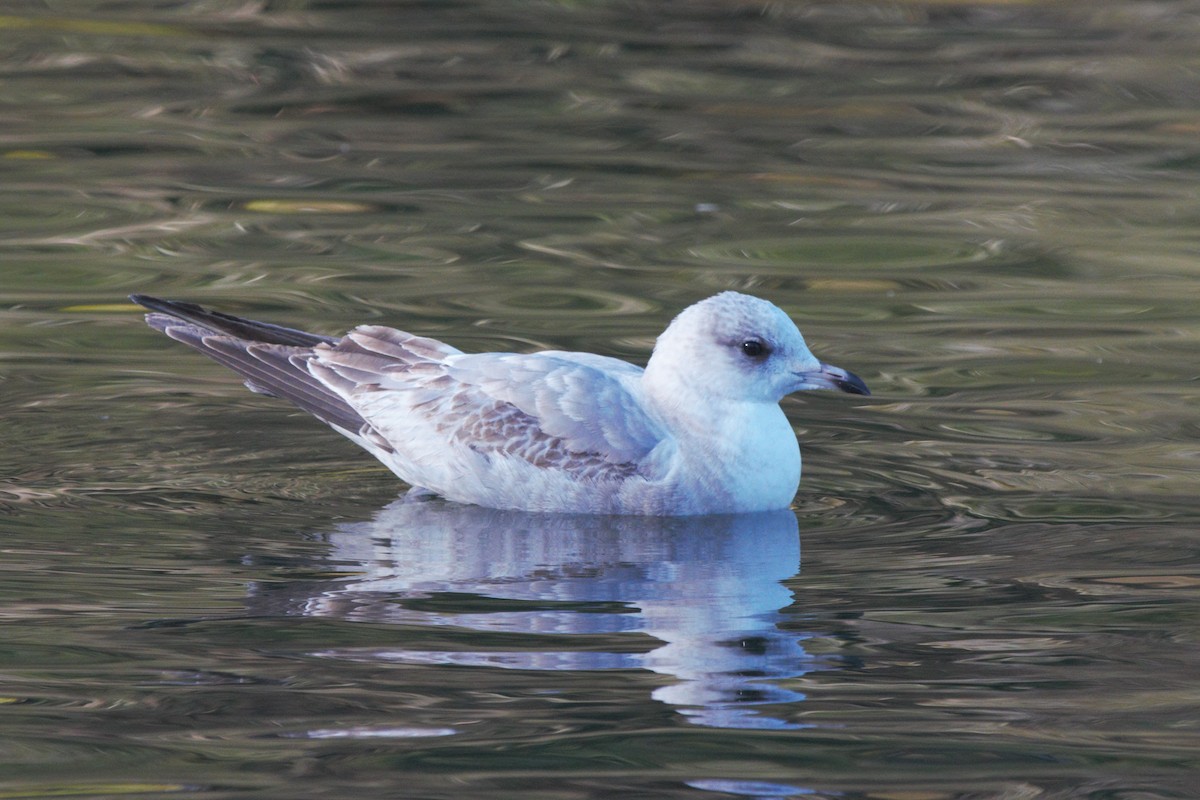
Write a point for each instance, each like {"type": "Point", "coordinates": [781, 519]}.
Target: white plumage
{"type": "Point", "coordinates": [698, 431]}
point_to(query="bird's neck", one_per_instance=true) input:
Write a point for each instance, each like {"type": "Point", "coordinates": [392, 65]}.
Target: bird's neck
{"type": "Point", "coordinates": [744, 462]}
{"type": "Point", "coordinates": [742, 447]}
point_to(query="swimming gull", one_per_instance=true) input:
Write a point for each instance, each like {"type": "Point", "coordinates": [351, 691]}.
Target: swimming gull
{"type": "Point", "coordinates": [698, 431]}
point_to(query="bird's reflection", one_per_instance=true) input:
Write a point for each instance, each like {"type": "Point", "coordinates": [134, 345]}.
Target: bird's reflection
{"type": "Point", "coordinates": [708, 588]}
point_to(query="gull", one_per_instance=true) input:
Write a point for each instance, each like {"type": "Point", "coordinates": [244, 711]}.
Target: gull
{"type": "Point", "coordinates": [699, 430]}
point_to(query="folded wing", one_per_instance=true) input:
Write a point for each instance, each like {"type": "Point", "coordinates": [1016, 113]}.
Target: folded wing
{"type": "Point", "coordinates": [441, 419]}
{"type": "Point", "coordinates": [577, 413]}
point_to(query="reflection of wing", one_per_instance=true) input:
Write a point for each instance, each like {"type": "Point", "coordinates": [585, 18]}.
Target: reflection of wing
{"type": "Point", "coordinates": [573, 412]}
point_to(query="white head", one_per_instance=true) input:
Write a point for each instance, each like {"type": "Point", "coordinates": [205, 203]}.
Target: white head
{"type": "Point", "coordinates": [740, 348]}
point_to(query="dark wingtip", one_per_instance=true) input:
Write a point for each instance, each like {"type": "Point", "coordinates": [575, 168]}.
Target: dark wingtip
{"type": "Point", "coordinates": [220, 322]}
{"type": "Point", "coordinates": [173, 307]}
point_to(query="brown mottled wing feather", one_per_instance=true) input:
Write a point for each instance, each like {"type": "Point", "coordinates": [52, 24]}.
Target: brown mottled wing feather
{"type": "Point", "coordinates": [399, 392]}
{"type": "Point", "coordinates": [553, 410]}
{"type": "Point", "coordinates": [583, 399]}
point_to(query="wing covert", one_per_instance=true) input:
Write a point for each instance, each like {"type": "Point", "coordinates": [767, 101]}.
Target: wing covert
{"type": "Point", "coordinates": [591, 404]}
{"type": "Point", "coordinates": [572, 411]}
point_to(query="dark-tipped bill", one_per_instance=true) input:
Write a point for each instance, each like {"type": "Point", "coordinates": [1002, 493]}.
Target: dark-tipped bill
{"type": "Point", "coordinates": [831, 377]}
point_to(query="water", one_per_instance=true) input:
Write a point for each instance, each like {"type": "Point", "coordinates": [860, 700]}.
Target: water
{"type": "Point", "coordinates": [988, 586]}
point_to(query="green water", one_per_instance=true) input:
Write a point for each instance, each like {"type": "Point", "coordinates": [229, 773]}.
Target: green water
{"type": "Point", "coordinates": [988, 587]}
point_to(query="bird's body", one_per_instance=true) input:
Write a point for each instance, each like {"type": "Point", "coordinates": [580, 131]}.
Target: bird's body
{"type": "Point", "coordinates": [698, 431]}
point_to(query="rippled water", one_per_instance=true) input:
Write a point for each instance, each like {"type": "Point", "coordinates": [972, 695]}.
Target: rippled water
{"type": "Point", "coordinates": [988, 587]}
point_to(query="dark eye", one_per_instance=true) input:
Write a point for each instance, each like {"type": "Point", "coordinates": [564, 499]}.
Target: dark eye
{"type": "Point", "coordinates": [754, 348]}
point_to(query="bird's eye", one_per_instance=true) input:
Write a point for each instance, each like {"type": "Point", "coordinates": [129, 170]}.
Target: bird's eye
{"type": "Point", "coordinates": [754, 348]}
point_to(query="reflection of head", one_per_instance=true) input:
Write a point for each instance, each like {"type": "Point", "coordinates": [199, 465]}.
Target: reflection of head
{"type": "Point", "coordinates": [708, 587]}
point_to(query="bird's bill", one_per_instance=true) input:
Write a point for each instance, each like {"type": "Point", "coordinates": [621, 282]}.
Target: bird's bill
{"type": "Point", "coordinates": [827, 376]}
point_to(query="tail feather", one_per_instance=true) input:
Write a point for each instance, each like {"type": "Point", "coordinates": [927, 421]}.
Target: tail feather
{"type": "Point", "coordinates": [272, 359]}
